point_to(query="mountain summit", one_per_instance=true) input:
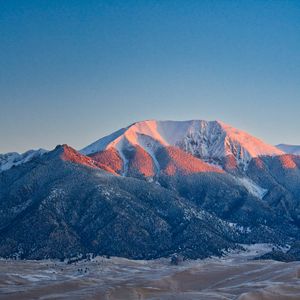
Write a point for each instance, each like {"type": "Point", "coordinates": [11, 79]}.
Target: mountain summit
{"type": "Point", "coordinates": [212, 141]}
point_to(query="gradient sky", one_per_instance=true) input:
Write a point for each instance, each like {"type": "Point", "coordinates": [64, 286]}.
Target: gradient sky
{"type": "Point", "coordinates": [73, 71]}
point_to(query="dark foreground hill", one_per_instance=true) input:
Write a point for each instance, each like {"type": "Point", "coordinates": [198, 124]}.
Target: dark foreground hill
{"type": "Point", "coordinates": [54, 207]}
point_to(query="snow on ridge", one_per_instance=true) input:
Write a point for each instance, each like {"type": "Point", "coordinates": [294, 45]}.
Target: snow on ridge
{"type": "Point", "coordinates": [120, 148]}
{"type": "Point", "coordinates": [102, 143]}
{"type": "Point", "coordinates": [254, 146]}
{"type": "Point", "coordinates": [8, 160]}
{"type": "Point", "coordinates": [150, 146]}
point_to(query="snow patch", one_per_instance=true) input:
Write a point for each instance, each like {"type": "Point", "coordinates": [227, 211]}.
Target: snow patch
{"type": "Point", "coordinates": [102, 143]}
{"type": "Point", "coordinates": [252, 187]}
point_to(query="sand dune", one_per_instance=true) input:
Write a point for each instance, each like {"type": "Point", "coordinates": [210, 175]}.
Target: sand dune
{"type": "Point", "coordinates": [233, 277]}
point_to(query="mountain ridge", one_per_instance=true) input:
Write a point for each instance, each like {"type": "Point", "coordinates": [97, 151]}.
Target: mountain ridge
{"type": "Point", "coordinates": [224, 153]}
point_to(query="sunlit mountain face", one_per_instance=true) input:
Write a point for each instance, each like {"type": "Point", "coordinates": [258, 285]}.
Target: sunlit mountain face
{"type": "Point", "coordinates": [196, 188]}
{"type": "Point", "coordinates": [214, 143]}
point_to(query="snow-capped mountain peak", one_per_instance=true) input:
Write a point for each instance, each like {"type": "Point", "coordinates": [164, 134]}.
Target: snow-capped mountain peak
{"type": "Point", "coordinates": [205, 139]}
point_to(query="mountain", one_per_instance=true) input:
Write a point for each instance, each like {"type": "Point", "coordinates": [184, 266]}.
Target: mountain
{"type": "Point", "coordinates": [213, 141]}
{"type": "Point", "coordinates": [193, 156]}
{"type": "Point", "coordinates": [61, 205]}
{"type": "Point", "coordinates": [160, 150]}
{"type": "Point", "coordinates": [8, 160]}
{"type": "Point", "coordinates": [289, 149]}
{"type": "Point", "coordinates": [149, 190]}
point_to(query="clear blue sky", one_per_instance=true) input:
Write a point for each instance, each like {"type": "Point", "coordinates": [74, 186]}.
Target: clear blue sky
{"type": "Point", "coordinates": [73, 71]}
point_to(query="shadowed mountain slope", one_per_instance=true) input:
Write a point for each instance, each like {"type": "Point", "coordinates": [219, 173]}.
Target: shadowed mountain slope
{"type": "Point", "coordinates": [62, 205]}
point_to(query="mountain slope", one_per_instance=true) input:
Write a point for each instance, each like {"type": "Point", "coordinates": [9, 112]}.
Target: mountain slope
{"type": "Point", "coordinates": [289, 149]}
{"type": "Point", "coordinates": [280, 177]}
{"type": "Point", "coordinates": [61, 205]}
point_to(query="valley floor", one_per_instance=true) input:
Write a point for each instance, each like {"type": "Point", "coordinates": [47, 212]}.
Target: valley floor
{"type": "Point", "coordinates": [235, 276]}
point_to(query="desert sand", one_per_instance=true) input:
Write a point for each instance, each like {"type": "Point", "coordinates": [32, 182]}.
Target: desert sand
{"type": "Point", "coordinates": [235, 276]}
